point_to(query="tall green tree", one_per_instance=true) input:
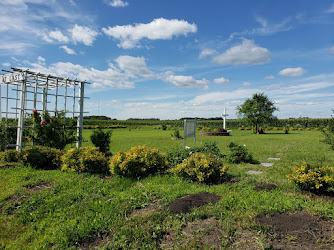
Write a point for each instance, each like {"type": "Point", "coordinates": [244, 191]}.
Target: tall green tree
{"type": "Point", "coordinates": [257, 111]}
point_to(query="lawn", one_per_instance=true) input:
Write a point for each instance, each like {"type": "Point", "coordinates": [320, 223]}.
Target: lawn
{"type": "Point", "coordinates": [54, 209]}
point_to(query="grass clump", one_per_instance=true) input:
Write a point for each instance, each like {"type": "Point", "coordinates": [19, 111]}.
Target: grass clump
{"type": "Point", "coordinates": [139, 161]}
{"type": "Point", "coordinates": [86, 159]}
{"type": "Point", "coordinates": [315, 178]}
{"type": "Point", "coordinates": [202, 168]}
{"type": "Point", "coordinates": [42, 157]}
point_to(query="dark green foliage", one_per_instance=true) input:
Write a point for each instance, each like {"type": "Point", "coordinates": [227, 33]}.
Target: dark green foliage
{"type": "Point", "coordinates": [101, 139]}
{"type": "Point", "coordinates": [257, 111]}
{"type": "Point", "coordinates": [10, 155]}
{"type": "Point", "coordinates": [177, 155]}
{"type": "Point", "coordinates": [176, 134]}
{"type": "Point", "coordinates": [329, 134]}
{"type": "Point", "coordinates": [41, 157]}
{"type": "Point", "coordinates": [238, 154]}
{"type": "Point", "coordinates": [7, 135]}
{"type": "Point", "coordinates": [164, 126]}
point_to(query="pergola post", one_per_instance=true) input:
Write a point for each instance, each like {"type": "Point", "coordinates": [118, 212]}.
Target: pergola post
{"type": "Point", "coordinates": [20, 122]}
{"type": "Point", "coordinates": [80, 116]}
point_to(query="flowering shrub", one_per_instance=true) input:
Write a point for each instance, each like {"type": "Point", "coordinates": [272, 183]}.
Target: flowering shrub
{"type": "Point", "coordinates": [42, 157]}
{"type": "Point", "coordinates": [139, 161]}
{"type": "Point", "coordinates": [201, 168]}
{"type": "Point", "coordinates": [56, 131]}
{"type": "Point", "coordinates": [86, 159]}
{"type": "Point", "coordinates": [239, 154]}
{"type": "Point", "coordinates": [10, 155]}
{"type": "Point", "coordinates": [312, 177]}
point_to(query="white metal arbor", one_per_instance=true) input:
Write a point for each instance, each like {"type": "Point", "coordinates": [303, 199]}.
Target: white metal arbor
{"type": "Point", "coordinates": [22, 91]}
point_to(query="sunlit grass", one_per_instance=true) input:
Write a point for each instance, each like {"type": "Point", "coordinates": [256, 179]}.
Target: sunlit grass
{"type": "Point", "coordinates": [71, 207]}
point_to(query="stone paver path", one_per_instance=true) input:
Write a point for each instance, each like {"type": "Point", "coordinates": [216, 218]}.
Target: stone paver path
{"type": "Point", "coordinates": [273, 158]}
{"type": "Point", "coordinates": [253, 172]}
{"type": "Point", "coordinates": [265, 164]}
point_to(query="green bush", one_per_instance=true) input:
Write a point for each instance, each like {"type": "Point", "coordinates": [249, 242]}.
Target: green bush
{"type": "Point", "coordinates": [176, 134]}
{"type": "Point", "coordinates": [139, 161]}
{"type": "Point", "coordinates": [42, 157]}
{"type": "Point", "coordinates": [101, 139]}
{"type": "Point", "coordinates": [86, 159]}
{"type": "Point", "coordinates": [10, 155]}
{"type": "Point", "coordinates": [312, 177]}
{"type": "Point", "coordinates": [177, 155]}
{"type": "Point", "coordinates": [7, 135]}
{"type": "Point", "coordinates": [238, 154]}
{"type": "Point", "coordinates": [202, 168]}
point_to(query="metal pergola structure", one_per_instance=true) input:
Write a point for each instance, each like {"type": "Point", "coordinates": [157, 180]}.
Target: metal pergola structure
{"type": "Point", "coordinates": [22, 91]}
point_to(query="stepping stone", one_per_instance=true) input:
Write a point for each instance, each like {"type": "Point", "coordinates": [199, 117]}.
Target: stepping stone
{"type": "Point", "coordinates": [264, 164]}
{"type": "Point", "coordinates": [273, 158]}
{"type": "Point", "coordinates": [253, 172]}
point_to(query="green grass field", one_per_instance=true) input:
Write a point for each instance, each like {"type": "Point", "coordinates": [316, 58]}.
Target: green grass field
{"type": "Point", "coordinates": [54, 209]}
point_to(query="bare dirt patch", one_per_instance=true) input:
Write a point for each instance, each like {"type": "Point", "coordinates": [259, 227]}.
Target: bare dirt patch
{"type": "Point", "coordinates": [95, 242]}
{"type": "Point", "coordinates": [265, 186]}
{"type": "Point", "coordinates": [185, 203]}
{"type": "Point", "coordinates": [38, 187]}
{"type": "Point", "coordinates": [205, 234]}
{"type": "Point", "coordinates": [148, 210]}
{"type": "Point", "coordinates": [299, 231]}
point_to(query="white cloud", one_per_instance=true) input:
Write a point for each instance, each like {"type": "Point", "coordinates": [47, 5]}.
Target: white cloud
{"type": "Point", "coordinates": [207, 52]}
{"type": "Point", "coordinates": [185, 81]}
{"type": "Point", "coordinates": [245, 53]}
{"type": "Point", "coordinates": [68, 50]}
{"type": "Point", "coordinates": [265, 29]}
{"type": "Point", "coordinates": [41, 59]}
{"type": "Point", "coordinates": [134, 66]}
{"type": "Point", "coordinates": [130, 35]}
{"type": "Point", "coordinates": [58, 35]}
{"type": "Point", "coordinates": [118, 3]}
{"type": "Point", "coordinates": [292, 72]}
{"type": "Point", "coordinates": [246, 84]}
{"type": "Point", "coordinates": [221, 80]}
{"type": "Point", "coordinates": [83, 34]}
{"type": "Point", "coordinates": [270, 77]}
{"type": "Point", "coordinates": [6, 65]}
{"type": "Point", "coordinates": [331, 50]}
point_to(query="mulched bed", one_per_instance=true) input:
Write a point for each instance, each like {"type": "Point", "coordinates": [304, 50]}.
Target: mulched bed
{"type": "Point", "coordinates": [299, 231]}
{"type": "Point", "coordinates": [265, 186]}
{"type": "Point", "coordinates": [185, 203]}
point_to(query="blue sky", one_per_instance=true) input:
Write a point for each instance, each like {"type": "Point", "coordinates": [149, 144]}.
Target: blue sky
{"type": "Point", "coordinates": [172, 59]}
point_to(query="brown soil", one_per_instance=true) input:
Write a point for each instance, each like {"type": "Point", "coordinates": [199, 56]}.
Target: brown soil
{"type": "Point", "coordinates": [95, 242]}
{"type": "Point", "coordinates": [268, 187]}
{"type": "Point", "coordinates": [214, 133]}
{"type": "Point", "coordinates": [299, 231]}
{"type": "Point", "coordinates": [205, 234]}
{"type": "Point", "coordinates": [185, 203]}
{"type": "Point", "coordinates": [147, 211]}
{"type": "Point", "coordinates": [38, 187]}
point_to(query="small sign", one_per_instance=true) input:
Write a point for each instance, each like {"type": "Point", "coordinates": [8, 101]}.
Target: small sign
{"type": "Point", "coordinates": [189, 130]}
{"type": "Point", "coordinates": [14, 77]}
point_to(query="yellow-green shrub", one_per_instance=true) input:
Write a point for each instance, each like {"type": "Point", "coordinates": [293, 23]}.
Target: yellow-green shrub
{"type": "Point", "coordinates": [275, 128]}
{"type": "Point", "coordinates": [312, 177]}
{"type": "Point", "coordinates": [42, 157]}
{"type": "Point", "coordinates": [10, 155]}
{"type": "Point", "coordinates": [139, 161]}
{"type": "Point", "coordinates": [201, 168]}
{"type": "Point", "coordinates": [316, 129]}
{"type": "Point", "coordinates": [86, 159]}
